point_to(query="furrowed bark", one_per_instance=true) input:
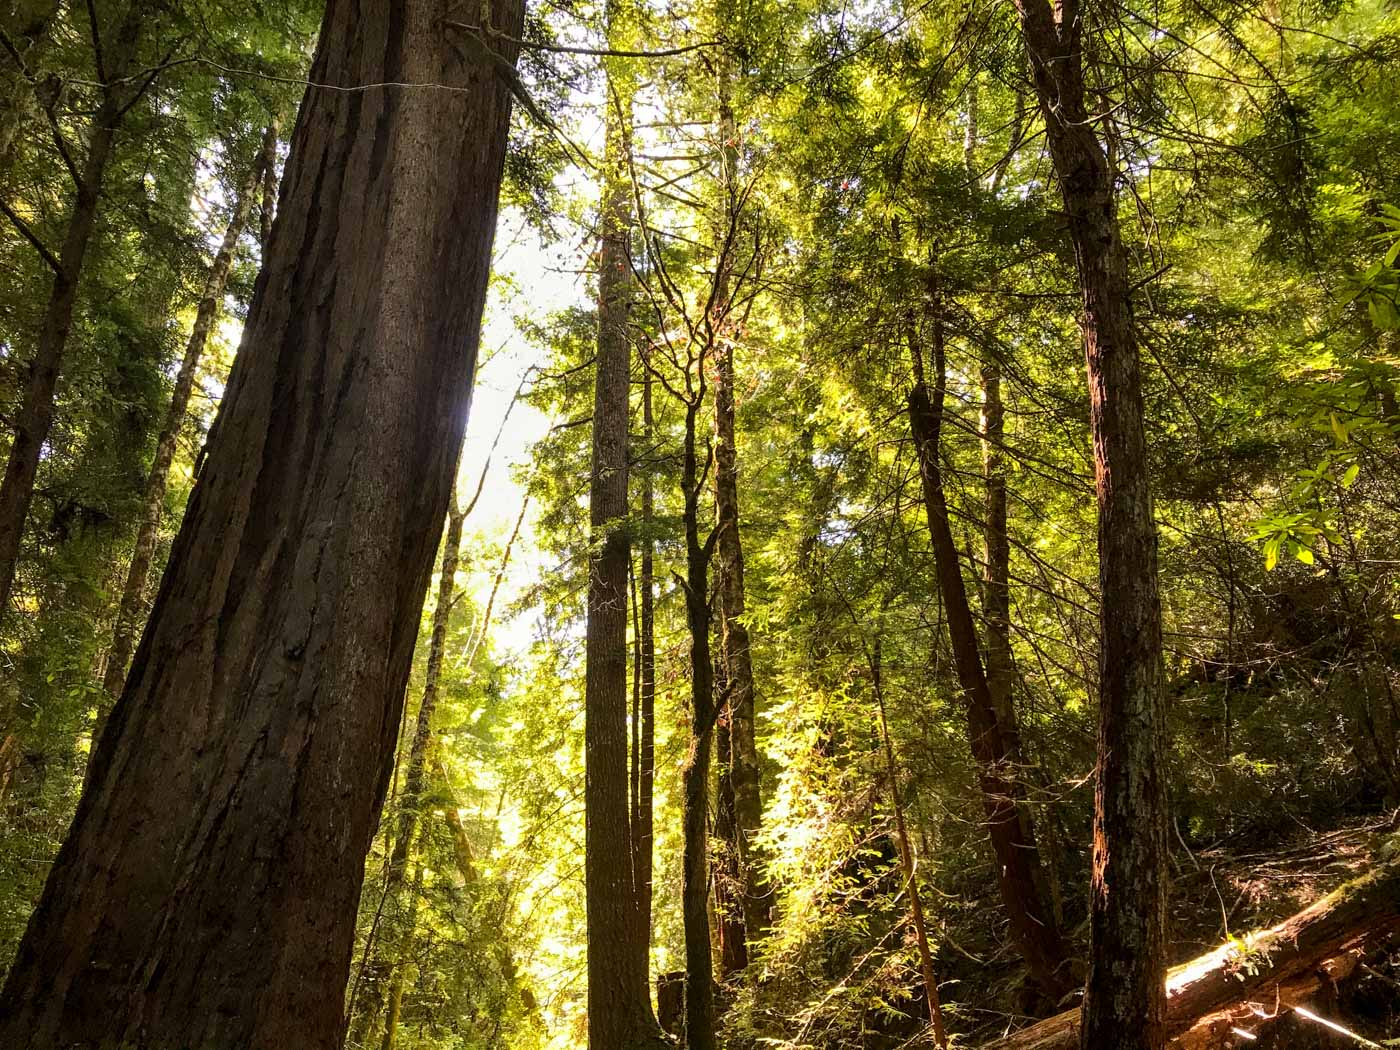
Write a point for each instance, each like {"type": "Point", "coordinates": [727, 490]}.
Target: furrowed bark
{"type": "Point", "coordinates": [206, 894]}
{"type": "Point", "coordinates": [1003, 795]}
{"type": "Point", "coordinates": [1123, 998]}
{"type": "Point", "coordinates": [1208, 995]}
{"type": "Point", "coordinates": [35, 416]}
{"type": "Point", "coordinates": [143, 550]}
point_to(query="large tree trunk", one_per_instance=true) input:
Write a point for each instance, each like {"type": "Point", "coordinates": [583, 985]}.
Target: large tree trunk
{"type": "Point", "coordinates": [35, 416]}
{"type": "Point", "coordinates": [206, 894]}
{"type": "Point", "coordinates": [619, 999]}
{"type": "Point", "coordinates": [1207, 996]}
{"type": "Point", "coordinates": [1003, 794]}
{"type": "Point", "coordinates": [206, 313]}
{"type": "Point", "coordinates": [1127, 911]}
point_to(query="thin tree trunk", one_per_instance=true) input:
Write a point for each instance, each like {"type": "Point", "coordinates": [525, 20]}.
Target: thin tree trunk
{"type": "Point", "coordinates": [996, 547]}
{"type": "Point", "coordinates": [206, 894]}
{"type": "Point", "coordinates": [366, 1018]}
{"type": "Point", "coordinates": [728, 869]}
{"type": "Point", "coordinates": [35, 416]}
{"type": "Point", "coordinates": [996, 619]}
{"type": "Point", "coordinates": [743, 769]}
{"type": "Point", "coordinates": [742, 764]}
{"type": "Point", "coordinates": [391, 1019]}
{"type": "Point", "coordinates": [642, 818]}
{"type": "Point", "coordinates": [267, 208]}
{"type": "Point", "coordinates": [27, 25]}
{"type": "Point", "coordinates": [619, 999]}
{"type": "Point", "coordinates": [906, 860]}
{"type": "Point", "coordinates": [1003, 795]}
{"type": "Point", "coordinates": [143, 551]}
{"type": "Point", "coordinates": [1123, 1005]}
{"type": "Point", "coordinates": [695, 772]}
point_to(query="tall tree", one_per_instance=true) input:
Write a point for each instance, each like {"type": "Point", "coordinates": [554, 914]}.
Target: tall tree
{"type": "Point", "coordinates": [1124, 999]}
{"type": "Point", "coordinates": [114, 50]}
{"type": "Point", "coordinates": [619, 997]}
{"type": "Point", "coordinates": [739, 753]}
{"type": "Point", "coordinates": [206, 313]}
{"type": "Point", "coordinates": [644, 713]}
{"type": "Point", "coordinates": [206, 892]}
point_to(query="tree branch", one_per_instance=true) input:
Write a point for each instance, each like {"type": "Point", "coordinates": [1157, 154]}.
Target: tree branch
{"type": "Point", "coordinates": [29, 235]}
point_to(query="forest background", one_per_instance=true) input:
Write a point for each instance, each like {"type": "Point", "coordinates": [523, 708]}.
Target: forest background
{"type": "Point", "coordinates": [810, 211]}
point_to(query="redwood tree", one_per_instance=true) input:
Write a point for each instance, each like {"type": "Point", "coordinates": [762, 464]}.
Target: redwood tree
{"type": "Point", "coordinates": [738, 745]}
{"type": "Point", "coordinates": [1124, 1001]}
{"type": "Point", "coordinates": [206, 893]}
{"type": "Point", "coordinates": [619, 1000]}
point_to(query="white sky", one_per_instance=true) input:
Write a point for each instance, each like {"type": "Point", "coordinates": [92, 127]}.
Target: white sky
{"type": "Point", "coordinates": [548, 279]}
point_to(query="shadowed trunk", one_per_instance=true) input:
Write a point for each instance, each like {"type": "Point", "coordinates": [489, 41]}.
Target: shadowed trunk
{"type": "Point", "coordinates": [1128, 894]}
{"type": "Point", "coordinates": [391, 1019]}
{"type": "Point", "coordinates": [143, 551]}
{"type": "Point", "coordinates": [695, 771]}
{"type": "Point", "coordinates": [728, 873]}
{"type": "Point", "coordinates": [1003, 795]}
{"type": "Point", "coordinates": [267, 207]}
{"type": "Point", "coordinates": [741, 761]}
{"type": "Point", "coordinates": [26, 24]}
{"type": "Point", "coordinates": [35, 416]}
{"type": "Point", "coordinates": [206, 894]}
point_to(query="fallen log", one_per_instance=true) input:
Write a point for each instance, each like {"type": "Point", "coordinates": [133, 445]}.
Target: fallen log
{"type": "Point", "coordinates": [1278, 967]}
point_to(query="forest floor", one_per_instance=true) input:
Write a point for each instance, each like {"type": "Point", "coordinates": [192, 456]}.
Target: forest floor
{"type": "Point", "coordinates": [1252, 882]}
{"type": "Point", "coordinates": [1255, 886]}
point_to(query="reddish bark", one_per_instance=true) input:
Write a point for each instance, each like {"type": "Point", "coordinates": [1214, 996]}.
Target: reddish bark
{"type": "Point", "coordinates": [206, 894]}
{"type": "Point", "coordinates": [1127, 906]}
